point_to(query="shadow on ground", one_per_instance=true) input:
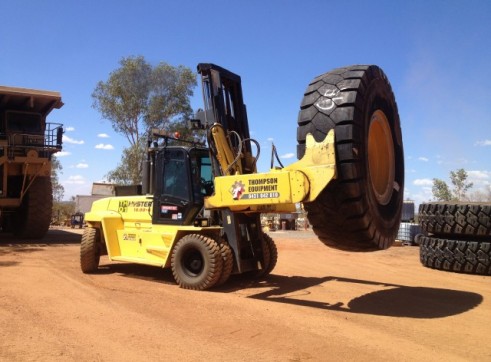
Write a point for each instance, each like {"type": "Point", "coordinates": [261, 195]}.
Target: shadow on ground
{"type": "Point", "coordinates": [53, 237]}
{"type": "Point", "coordinates": [391, 300]}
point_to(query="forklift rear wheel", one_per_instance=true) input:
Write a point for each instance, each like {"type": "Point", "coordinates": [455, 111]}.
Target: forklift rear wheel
{"type": "Point", "coordinates": [89, 250]}
{"type": "Point", "coordinates": [361, 208]}
{"type": "Point", "coordinates": [196, 262]}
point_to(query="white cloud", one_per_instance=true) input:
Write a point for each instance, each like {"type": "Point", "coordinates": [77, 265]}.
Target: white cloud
{"type": "Point", "coordinates": [423, 182]}
{"type": "Point", "coordinates": [76, 179]}
{"type": "Point", "coordinates": [103, 135]}
{"type": "Point", "coordinates": [483, 143]}
{"type": "Point", "coordinates": [288, 155]}
{"type": "Point", "coordinates": [81, 165]}
{"type": "Point", "coordinates": [424, 159]}
{"type": "Point", "coordinates": [270, 139]}
{"type": "Point", "coordinates": [102, 146]}
{"type": "Point", "coordinates": [62, 154]}
{"type": "Point", "coordinates": [481, 175]}
{"type": "Point", "coordinates": [69, 129]}
{"type": "Point", "coordinates": [67, 139]}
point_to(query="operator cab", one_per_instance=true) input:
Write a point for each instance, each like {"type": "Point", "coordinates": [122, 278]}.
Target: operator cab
{"type": "Point", "coordinates": [183, 180]}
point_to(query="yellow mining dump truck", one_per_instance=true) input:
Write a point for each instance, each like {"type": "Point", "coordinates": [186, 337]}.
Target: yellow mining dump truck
{"type": "Point", "coordinates": [27, 143]}
{"type": "Point", "coordinates": [199, 212]}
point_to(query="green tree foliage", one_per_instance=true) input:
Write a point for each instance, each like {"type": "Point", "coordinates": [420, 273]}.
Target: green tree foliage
{"type": "Point", "coordinates": [458, 178]}
{"type": "Point", "coordinates": [138, 97]}
{"type": "Point", "coordinates": [440, 190]}
{"type": "Point", "coordinates": [58, 189]}
{"type": "Point", "coordinates": [62, 210]}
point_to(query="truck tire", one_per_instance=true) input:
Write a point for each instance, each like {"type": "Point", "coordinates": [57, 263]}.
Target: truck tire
{"type": "Point", "coordinates": [196, 262]}
{"type": "Point", "coordinates": [33, 218]}
{"type": "Point", "coordinates": [456, 219]}
{"type": "Point", "coordinates": [361, 208]}
{"type": "Point", "coordinates": [270, 255]}
{"type": "Point", "coordinates": [228, 263]}
{"type": "Point", "coordinates": [461, 256]}
{"type": "Point", "coordinates": [90, 251]}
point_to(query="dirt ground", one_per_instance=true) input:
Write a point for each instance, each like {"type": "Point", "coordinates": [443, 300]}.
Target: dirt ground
{"type": "Point", "coordinates": [319, 304]}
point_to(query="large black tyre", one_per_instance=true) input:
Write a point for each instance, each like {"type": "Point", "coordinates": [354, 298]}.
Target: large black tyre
{"type": "Point", "coordinates": [461, 256]}
{"type": "Point", "coordinates": [228, 262]}
{"type": "Point", "coordinates": [90, 250]}
{"type": "Point", "coordinates": [33, 218]}
{"type": "Point", "coordinates": [361, 208]}
{"type": "Point", "coordinates": [270, 255]}
{"type": "Point", "coordinates": [196, 262]}
{"type": "Point", "coordinates": [456, 219]}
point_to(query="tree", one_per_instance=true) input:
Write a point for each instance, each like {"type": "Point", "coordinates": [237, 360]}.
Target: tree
{"type": "Point", "coordinates": [58, 189]}
{"type": "Point", "coordinates": [138, 97]}
{"type": "Point", "coordinates": [458, 179]}
{"type": "Point", "coordinates": [441, 191]}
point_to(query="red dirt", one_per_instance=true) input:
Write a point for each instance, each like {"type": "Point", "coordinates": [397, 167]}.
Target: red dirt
{"type": "Point", "coordinates": [319, 304]}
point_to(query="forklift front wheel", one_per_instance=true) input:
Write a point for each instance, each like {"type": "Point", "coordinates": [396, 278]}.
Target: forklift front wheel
{"type": "Point", "coordinates": [196, 262]}
{"type": "Point", "coordinates": [270, 255]}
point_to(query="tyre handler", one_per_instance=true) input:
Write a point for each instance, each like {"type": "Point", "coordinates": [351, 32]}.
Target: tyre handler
{"type": "Point", "coordinates": [200, 209]}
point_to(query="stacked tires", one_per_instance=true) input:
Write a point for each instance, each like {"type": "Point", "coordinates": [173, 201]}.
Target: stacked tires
{"type": "Point", "coordinates": [457, 237]}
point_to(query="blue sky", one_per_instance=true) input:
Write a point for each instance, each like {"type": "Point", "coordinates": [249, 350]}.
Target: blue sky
{"type": "Point", "coordinates": [437, 55]}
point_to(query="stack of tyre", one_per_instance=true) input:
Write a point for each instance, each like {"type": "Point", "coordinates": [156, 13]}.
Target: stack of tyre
{"type": "Point", "coordinates": [456, 237]}
{"type": "Point", "coordinates": [408, 229]}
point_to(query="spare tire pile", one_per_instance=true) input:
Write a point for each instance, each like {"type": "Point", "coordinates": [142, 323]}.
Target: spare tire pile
{"type": "Point", "coordinates": [457, 237]}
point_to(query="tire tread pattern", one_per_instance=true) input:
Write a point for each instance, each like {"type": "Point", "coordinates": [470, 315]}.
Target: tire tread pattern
{"type": "Point", "coordinates": [228, 262]}
{"type": "Point", "coordinates": [34, 216]}
{"type": "Point", "coordinates": [89, 250]}
{"type": "Point", "coordinates": [270, 255]}
{"type": "Point", "coordinates": [212, 249]}
{"type": "Point", "coordinates": [456, 219]}
{"type": "Point", "coordinates": [342, 214]}
{"type": "Point", "coordinates": [460, 256]}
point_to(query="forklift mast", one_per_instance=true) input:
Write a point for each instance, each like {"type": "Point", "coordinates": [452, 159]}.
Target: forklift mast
{"type": "Point", "coordinates": [225, 118]}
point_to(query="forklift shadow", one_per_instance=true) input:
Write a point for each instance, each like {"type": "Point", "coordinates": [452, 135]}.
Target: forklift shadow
{"type": "Point", "coordinates": [390, 300]}
{"type": "Point", "coordinates": [138, 271]}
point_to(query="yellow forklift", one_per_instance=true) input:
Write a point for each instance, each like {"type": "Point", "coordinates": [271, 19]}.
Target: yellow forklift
{"type": "Point", "coordinates": [199, 211]}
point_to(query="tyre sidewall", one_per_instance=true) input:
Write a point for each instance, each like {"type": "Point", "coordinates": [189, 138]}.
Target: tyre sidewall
{"type": "Point", "coordinates": [185, 277]}
{"type": "Point", "coordinates": [379, 97]}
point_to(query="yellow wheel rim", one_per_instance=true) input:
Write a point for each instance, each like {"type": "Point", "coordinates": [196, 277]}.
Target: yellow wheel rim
{"type": "Point", "coordinates": [381, 158]}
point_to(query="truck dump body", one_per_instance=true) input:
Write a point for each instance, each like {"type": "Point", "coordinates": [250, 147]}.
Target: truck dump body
{"type": "Point", "coordinates": [32, 100]}
{"type": "Point", "coordinates": [27, 143]}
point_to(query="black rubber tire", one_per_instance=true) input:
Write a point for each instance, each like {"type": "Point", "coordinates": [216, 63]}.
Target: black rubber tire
{"type": "Point", "coordinates": [90, 250]}
{"type": "Point", "coordinates": [468, 220]}
{"type": "Point", "coordinates": [196, 262]}
{"type": "Point", "coordinates": [461, 256]}
{"type": "Point", "coordinates": [33, 218]}
{"type": "Point", "coordinates": [228, 262]}
{"type": "Point", "coordinates": [270, 255]}
{"type": "Point", "coordinates": [349, 214]}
